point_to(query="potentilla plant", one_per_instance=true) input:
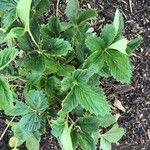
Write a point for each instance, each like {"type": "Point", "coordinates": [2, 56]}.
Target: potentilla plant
{"type": "Point", "coordinates": [50, 75]}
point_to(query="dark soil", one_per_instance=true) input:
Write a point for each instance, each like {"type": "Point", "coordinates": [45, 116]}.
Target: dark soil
{"type": "Point", "coordinates": [134, 97]}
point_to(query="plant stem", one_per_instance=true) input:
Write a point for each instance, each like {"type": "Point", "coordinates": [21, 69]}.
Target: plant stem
{"type": "Point", "coordinates": [7, 128]}
{"type": "Point", "coordinates": [33, 39]}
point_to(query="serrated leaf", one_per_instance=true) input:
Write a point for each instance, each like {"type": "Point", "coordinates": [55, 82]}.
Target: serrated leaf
{"type": "Point", "coordinates": [114, 134]}
{"type": "Point", "coordinates": [107, 120]}
{"type": "Point", "coordinates": [88, 123]}
{"type": "Point", "coordinates": [134, 43]}
{"type": "Point", "coordinates": [32, 143]}
{"type": "Point", "coordinates": [20, 108]}
{"type": "Point", "coordinates": [82, 76]}
{"type": "Point", "coordinates": [72, 10]}
{"type": "Point", "coordinates": [30, 122]}
{"type": "Point", "coordinates": [14, 33]}
{"type": "Point", "coordinates": [37, 100]}
{"type": "Point", "coordinates": [118, 23]}
{"type": "Point", "coordinates": [92, 101]}
{"type": "Point", "coordinates": [86, 141]}
{"type": "Point", "coordinates": [58, 47]}
{"type": "Point", "coordinates": [108, 34]}
{"type": "Point", "coordinates": [42, 7]}
{"type": "Point", "coordinates": [94, 43]}
{"type": "Point", "coordinates": [119, 65]}
{"type": "Point", "coordinates": [8, 18]}
{"type": "Point", "coordinates": [6, 5]}
{"type": "Point", "coordinates": [120, 45]}
{"type": "Point", "coordinates": [6, 56]}
{"type": "Point", "coordinates": [6, 96]}
{"type": "Point", "coordinates": [23, 11]}
{"type": "Point", "coordinates": [69, 103]}
{"type": "Point", "coordinates": [86, 15]}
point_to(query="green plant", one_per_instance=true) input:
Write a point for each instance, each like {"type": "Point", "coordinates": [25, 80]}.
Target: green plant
{"type": "Point", "coordinates": [57, 68]}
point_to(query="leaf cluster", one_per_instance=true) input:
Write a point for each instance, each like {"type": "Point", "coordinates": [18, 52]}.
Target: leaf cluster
{"type": "Point", "coordinates": [58, 66]}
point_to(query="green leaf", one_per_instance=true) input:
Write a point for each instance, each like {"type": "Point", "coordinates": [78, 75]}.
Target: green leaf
{"type": "Point", "coordinates": [72, 10]}
{"type": "Point", "coordinates": [119, 65]}
{"type": "Point", "coordinates": [107, 120]}
{"type": "Point", "coordinates": [120, 45]}
{"type": "Point", "coordinates": [94, 43]}
{"type": "Point", "coordinates": [30, 122]}
{"type": "Point", "coordinates": [88, 123]}
{"type": "Point", "coordinates": [134, 43]}
{"type": "Point", "coordinates": [69, 103]}
{"type": "Point", "coordinates": [84, 139]}
{"type": "Point", "coordinates": [82, 76]}
{"type": "Point", "coordinates": [32, 143]}
{"type": "Point", "coordinates": [8, 18]}
{"type": "Point", "coordinates": [108, 34]}
{"type": "Point", "coordinates": [65, 138]}
{"type": "Point", "coordinates": [16, 32]}
{"type": "Point", "coordinates": [58, 47]}
{"type": "Point", "coordinates": [6, 96]}
{"type": "Point", "coordinates": [42, 7]}
{"type": "Point", "coordinates": [7, 56]}
{"type": "Point", "coordinates": [20, 108]}
{"type": "Point", "coordinates": [86, 15]}
{"type": "Point", "coordinates": [6, 5]}
{"type": "Point", "coordinates": [23, 10]}
{"type": "Point", "coordinates": [37, 100]}
{"type": "Point", "coordinates": [61, 130]}
{"type": "Point", "coordinates": [114, 134]}
{"type": "Point", "coordinates": [90, 100]}
{"type": "Point", "coordinates": [118, 23]}
{"type": "Point", "coordinates": [104, 144]}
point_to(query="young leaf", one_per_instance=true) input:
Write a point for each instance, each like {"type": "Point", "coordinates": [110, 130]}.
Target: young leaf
{"type": "Point", "coordinates": [114, 134]}
{"type": "Point", "coordinates": [91, 101]}
{"type": "Point", "coordinates": [104, 144]}
{"type": "Point", "coordinates": [65, 138]}
{"type": "Point", "coordinates": [86, 15]}
{"type": "Point", "coordinates": [134, 43]}
{"type": "Point", "coordinates": [108, 34]}
{"type": "Point", "coordinates": [6, 96]}
{"type": "Point", "coordinates": [7, 56]}
{"type": "Point", "coordinates": [72, 10]}
{"type": "Point", "coordinates": [94, 43]}
{"type": "Point", "coordinates": [37, 100]}
{"type": "Point", "coordinates": [14, 33]}
{"type": "Point", "coordinates": [120, 45]}
{"type": "Point", "coordinates": [23, 10]}
{"type": "Point", "coordinates": [32, 142]}
{"type": "Point", "coordinates": [118, 23]}
{"type": "Point", "coordinates": [61, 130]}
